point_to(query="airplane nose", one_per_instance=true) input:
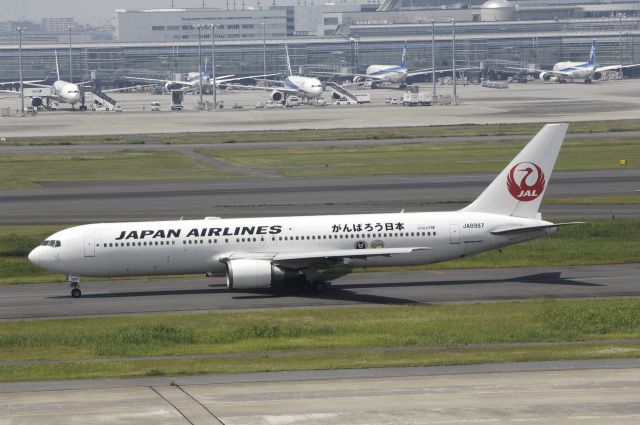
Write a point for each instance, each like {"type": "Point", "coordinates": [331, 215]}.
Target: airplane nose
{"type": "Point", "coordinates": [34, 256]}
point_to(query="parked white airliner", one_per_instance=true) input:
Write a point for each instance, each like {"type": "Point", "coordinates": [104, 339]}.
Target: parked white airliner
{"type": "Point", "coordinates": [588, 71]}
{"type": "Point", "coordinates": [60, 91]}
{"type": "Point", "coordinates": [260, 252]}
{"type": "Point", "coordinates": [293, 85]}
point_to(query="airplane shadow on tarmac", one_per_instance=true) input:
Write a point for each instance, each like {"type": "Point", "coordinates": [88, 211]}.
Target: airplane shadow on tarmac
{"type": "Point", "coordinates": [346, 292]}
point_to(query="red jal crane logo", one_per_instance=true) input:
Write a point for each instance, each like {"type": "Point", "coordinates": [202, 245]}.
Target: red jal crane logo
{"type": "Point", "coordinates": [525, 181]}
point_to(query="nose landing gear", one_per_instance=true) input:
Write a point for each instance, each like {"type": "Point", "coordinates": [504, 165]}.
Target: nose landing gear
{"type": "Point", "coordinates": [74, 283]}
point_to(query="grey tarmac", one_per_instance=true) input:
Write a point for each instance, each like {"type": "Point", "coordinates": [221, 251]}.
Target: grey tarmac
{"type": "Point", "coordinates": [120, 297]}
{"type": "Point", "coordinates": [559, 393]}
{"type": "Point", "coordinates": [169, 200]}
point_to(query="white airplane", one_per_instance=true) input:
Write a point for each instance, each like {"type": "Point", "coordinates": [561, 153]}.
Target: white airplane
{"type": "Point", "coordinates": [60, 91]}
{"type": "Point", "coordinates": [563, 71]}
{"type": "Point", "coordinates": [293, 85]}
{"type": "Point", "coordinates": [393, 74]}
{"type": "Point", "coordinates": [263, 252]}
{"type": "Point", "coordinates": [193, 80]}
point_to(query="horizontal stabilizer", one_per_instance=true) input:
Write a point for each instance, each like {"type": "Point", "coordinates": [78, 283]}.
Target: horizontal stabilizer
{"type": "Point", "coordinates": [525, 229]}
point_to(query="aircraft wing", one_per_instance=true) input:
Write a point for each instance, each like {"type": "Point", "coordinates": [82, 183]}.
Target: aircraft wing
{"type": "Point", "coordinates": [281, 89]}
{"type": "Point", "coordinates": [524, 229]}
{"type": "Point", "coordinates": [615, 67]}
{"type": "Point", "coordinates": [313, 256]}
{"type": "Point", "coordinates": [158, 81]}
{"type": "Point", "coordinates": [228, 78]}
{"type": "Point", "coordinates": [427, 71]}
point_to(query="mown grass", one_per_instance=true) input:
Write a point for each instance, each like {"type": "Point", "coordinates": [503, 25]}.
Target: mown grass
{"type": "Point", "coordinates": [596, 242]}
{"type": "Point", "coordinates": [419, 158]}
{"type": "Point", "coordinates": [26, 170]}
{"type": "Point", "coordinates": [596, 200]}
{"type": "Point", "coordinates": [299, 339]}
{"type": "Point", "coordinates": [333, 134]}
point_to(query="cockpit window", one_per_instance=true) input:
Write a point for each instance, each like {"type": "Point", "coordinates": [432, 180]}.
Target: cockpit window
{"type": "Point", "coordinates": [45, 243]}
{"type": "Point", "coordinates": [58, 244]}
{"type": "Point", "coordinates": [51, 243]}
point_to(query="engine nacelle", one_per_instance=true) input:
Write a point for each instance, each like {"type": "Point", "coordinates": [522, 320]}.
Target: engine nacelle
{"type": "Point", "coordinates": [544, 76]}
{"type": "Point", "coordinates": [253, 274]}
{"type": "Point", "coordinates": [171, 86]}
{"type": "Point", "coordinates": [36, 102]}
{"type": "Point", "coordinates": [336, 96]}
{"type": "Point", "coordinates": [596, 76]}
{"type": "Point", "coordinates": [277, 96]}
{"type": "Point", "coordinates": [358, 79]}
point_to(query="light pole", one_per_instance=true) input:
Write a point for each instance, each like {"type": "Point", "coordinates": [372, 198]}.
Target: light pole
{"type": "Point", "coordinates": [264, 49]}
{"type": "Point", "coordinates": [433, 60]}
{"type": "Point", "coordinates": [453, 32]}
{"type": "Point", "coordinates": [214, 87]}
{"type": "Point", "coordinates": [70, 69]}
{"type": "Point", "coordinates": [20, 30]}
{"type": "Point", "coordinates": [620, 16]}
{"type": "Point", "coordinates": [199, 28]}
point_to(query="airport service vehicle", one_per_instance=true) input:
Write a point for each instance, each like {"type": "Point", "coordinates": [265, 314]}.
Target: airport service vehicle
{"type": "Point", "coordinates": [363, 98]}
{"type": "Point", "coordinates": [415, 99]}
{"type": "Point", "coordinates": [319, 102]}
{"type": "Point", "coordinates": [292, 101]}
{"type": "Point", "coordinates": [267, 251]}
{"type": "Point", "coordinates": [345, 101]}
{"type": "Point", "coordinates": [563, 71]}
{"type": "Point", "coordinates": [155, 106]}
{"type": "Point", "coordinates": [177, 97]}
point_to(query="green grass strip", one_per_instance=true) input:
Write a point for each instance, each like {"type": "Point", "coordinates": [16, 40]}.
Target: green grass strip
{"type": "Point", "coordinates": [424, 158]}
{"type": "Point", "coordinates": [305, 335]}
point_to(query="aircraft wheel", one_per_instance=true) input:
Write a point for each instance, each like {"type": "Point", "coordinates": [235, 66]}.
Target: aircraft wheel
{"type": "Point", "coordinates": [319, 287]}
{"type": "Point", "coordinates": [76, 293]}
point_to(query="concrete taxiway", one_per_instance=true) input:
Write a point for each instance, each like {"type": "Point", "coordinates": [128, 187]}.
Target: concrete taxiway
{"type": "Point", "coordinates": [401, 287]}
{"type": "Point", "coordinates": [533, 102]}
{"type": "Point", "coordinates": [559, 393]}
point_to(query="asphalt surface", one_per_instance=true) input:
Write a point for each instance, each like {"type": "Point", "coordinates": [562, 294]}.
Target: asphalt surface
{"type": "Point", "coordinates": [559, 393]}
{"type": "Point", "coordinates": [402, 287]}
{"type": "Point", "coordinates": [159, 200]}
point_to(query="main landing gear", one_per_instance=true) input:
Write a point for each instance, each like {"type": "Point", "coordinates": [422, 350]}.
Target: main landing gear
{"type": "Point", "coordinates": [74, 283]}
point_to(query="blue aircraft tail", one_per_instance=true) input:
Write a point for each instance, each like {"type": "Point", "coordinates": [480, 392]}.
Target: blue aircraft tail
{"type": "Point", "coordinates": [592, 55]}
{"type": "Point", "coordinates": [286, 49]}
{"type": "Point", "coordinates": [403, 62]}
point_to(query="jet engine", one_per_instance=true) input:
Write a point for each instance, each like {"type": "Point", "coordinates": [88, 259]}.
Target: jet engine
{"type": "Point", "coordinates": [336, 96]}
{"type": "Point", "coordinates": [358, 79]}
{"type": "Point", "coordinates": [36, 102]}
{"type": "Point", "coordinates": [544, 76]}
{"type": "Point", "coordinates": [253, 274]}
{"type": "Point", "coordinates": [171, 86]}
{"type": "Point", "coordinates": [596, 76]}
{"type": "Point", "coordinates": [277, 96]}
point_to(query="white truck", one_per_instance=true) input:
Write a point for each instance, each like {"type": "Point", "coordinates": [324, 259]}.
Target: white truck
{"type": "Point", "coordinates": [177, 97]}
{"type": "Point", "coordinates": [416, 99]}
{"type": "Point", "coordinates": [363, 98]}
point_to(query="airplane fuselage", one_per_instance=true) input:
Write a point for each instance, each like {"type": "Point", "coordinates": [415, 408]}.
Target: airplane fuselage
{"type": "Point", "coordinates": [306, 87]}
{"type": "Point", "coordinates": [66, 92]}
{"type": "Point", "coordinates": [388, 73]}
{"type": "Point", "coordinates": [575, 70]}
{"type": "Point", "coordinates": [204, 246]}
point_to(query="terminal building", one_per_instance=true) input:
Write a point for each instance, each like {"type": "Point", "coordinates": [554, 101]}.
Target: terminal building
{"type": "Point", "coordinates": [488, 35]}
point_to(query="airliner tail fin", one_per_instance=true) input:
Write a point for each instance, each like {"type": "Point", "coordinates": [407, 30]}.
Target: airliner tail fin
{"type": "Point", "coordinates": [286, 49]}
{"type": "Point", "coordinates": [519, 188]}
{"type": "Point", "coordinates": [57, 67]}
{"type": "Point", "coordinates": [592, 55]}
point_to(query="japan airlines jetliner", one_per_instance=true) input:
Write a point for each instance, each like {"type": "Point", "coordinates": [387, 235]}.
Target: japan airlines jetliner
{"type": "Point", "coordinates": [262, 252]}
{"type": "Point", "coordinates": [60, 91]}
{"type": "Point", "coordinates": [563, 71]}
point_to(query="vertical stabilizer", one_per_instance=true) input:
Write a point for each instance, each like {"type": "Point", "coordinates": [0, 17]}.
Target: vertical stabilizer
{"type": "Point", "coordinates": [57, 67]}
{"type": "Point", "coordinates": [286, 49]}
{"type": "Point", "coordinates": [592, 55]}
{"type": "Point", "coordinates": [519, 188]}
{"type": "Point", "coordinates": [403, 61]}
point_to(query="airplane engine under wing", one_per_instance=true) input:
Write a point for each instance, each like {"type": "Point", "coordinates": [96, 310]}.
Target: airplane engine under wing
{"type": "Point", "coordinates": [596, 76]}
{"type": "Point", "coordinates": [253, 274]}
{"type": "Point", "coordinates": [277, 96]}
{"type": "Point", "coordinates": [544, 76]}
{"type": "Point", "coordinates": [358, 79]}
{"type": "Point", "coordinates": [336, 96]}
{"type": "Point", "coordinates": [171, 86]}
{"type": "Point", "coordinates": [36, 101]}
